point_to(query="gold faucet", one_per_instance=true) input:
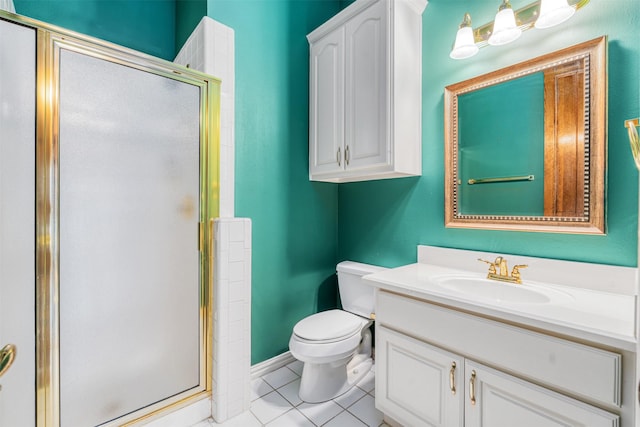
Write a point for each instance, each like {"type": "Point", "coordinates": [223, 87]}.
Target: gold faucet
{"type": "Point", "coordinates": [498, 270]}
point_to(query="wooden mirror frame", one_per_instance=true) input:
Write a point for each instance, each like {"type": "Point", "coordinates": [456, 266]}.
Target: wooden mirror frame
{"type": "Point", "coordinates": [593, 54]}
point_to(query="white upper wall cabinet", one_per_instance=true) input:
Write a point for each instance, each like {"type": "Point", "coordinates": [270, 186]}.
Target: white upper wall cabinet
{"type": "Point", "coordinates": [366, 92]}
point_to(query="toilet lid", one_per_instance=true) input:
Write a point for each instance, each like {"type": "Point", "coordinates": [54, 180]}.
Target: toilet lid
{"type": "Point", "coordinates": [328, 325]}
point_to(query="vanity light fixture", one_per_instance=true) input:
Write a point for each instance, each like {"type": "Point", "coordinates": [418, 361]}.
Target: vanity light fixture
{"type": "Point", "coordinates": [465, 45]}
{"type": "Point", "coordinates": [634, 139]}
{"type": "Point", "coordinates": [505, 29]}
{"type": "Point", "coordinates": [509, 24]}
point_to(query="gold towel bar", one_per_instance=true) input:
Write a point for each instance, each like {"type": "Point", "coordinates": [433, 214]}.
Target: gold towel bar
{"type": "Point", "coordinates": [503, 179]}
{"type": "Point", "coordinates": [632, 122]}
{"type": "Point", "coordinates": [634, 141]}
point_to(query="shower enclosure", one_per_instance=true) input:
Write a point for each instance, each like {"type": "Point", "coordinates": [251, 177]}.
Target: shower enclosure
{"type": "Point", "coordinates": [108, 186]}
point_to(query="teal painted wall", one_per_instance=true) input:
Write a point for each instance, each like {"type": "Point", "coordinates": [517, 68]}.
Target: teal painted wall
{"type": "Point", "coordinates": [188, 15]}
{"type": "Point", "coordinates": [496, 140]}
{"type": "Point", "coordinates": [146, 26]}
{"type": "Point", "coordinates": [385, 229]}
{"type": "Point", "coordinates": [294, 220]}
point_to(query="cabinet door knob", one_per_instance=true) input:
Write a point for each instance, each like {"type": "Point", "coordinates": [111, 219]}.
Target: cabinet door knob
{"type": "Point", "coordinates": [472, 388]}
{"type": "Point", "coordinates": [338, 157]}
{"type": "Point", "coordinates": [452, 378]}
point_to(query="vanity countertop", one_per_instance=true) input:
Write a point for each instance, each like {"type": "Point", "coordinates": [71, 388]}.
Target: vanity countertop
{"type": "Point", "coordinates": [600, 317]}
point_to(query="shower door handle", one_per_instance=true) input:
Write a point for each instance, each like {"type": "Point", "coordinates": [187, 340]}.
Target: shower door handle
{"type": "Point", "coordinates": [7, 356]}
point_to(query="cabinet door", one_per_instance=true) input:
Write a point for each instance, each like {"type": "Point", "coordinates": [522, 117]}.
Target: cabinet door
{"type": "Point", "coordinates": [502, 400]}
{"type": "Point", "coordinates": [418, 384]}
{"type": "Point", "coordinates": [326, 132]}
{"type": "Point", "coordinates": [367, 86]}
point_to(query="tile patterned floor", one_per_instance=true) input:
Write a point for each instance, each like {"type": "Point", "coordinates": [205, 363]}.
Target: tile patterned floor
{"type": "Point", "coordinates": [275, 403]}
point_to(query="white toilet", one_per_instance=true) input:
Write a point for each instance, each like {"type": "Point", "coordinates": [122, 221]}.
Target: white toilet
{"type": "Point", "coordinates": [335, 345]}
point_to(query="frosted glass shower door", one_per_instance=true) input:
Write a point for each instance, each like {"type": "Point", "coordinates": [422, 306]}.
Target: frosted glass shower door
{"type": "Point", "coordinates": [129, 201]}
{"type": "Point", "coordinates": [17, 221]}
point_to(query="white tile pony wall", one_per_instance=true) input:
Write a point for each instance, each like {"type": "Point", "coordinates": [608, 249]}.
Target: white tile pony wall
{"type": "Point", "coordinates": [210, 49]}
{"type": "Point", "coordinates": [232, 318]}
{"type": "Point", "coordinates": [7, 5]}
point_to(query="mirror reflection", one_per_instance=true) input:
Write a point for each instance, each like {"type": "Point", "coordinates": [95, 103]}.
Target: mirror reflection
{"type": "Point", "coordinates": [499, 148]}
{"type": "Point", "coordinates": [525, 145]}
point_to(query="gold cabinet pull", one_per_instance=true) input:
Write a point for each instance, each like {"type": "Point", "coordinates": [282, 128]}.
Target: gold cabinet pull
{"type": "Point", "coordinates": [339, 157]}
{"type": "Point", "coordinates": [472, 388]}
{"type": "Point", "coordinates": [7, 355]}
{"type": "Point", "coordinates": [452, 378]}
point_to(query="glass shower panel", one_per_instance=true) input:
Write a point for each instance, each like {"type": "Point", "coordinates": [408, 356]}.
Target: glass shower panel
{"type": "Point", "coordinates": [17, 220]}
{"type": "Point", "coordinates": [129, 259]}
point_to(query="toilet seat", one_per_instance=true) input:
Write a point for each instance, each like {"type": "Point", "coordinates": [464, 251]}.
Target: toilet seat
{"type": "Point", "coordinates": [328, 326]}
{"type": "Point", "coordinates": [317, 345]}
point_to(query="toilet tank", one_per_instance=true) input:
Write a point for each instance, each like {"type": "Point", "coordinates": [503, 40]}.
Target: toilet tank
{"type": "Point", "coordinates": [356, 296]}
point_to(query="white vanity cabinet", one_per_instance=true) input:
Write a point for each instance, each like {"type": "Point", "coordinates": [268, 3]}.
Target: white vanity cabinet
{"type": "Point", "coordinates": [365, 92]}
{"type": "Point", "coordinates": [418, 384]}
{"type": "Point", "coordinates": [440, 367]}
{"type": "Point", "coordinates": [502, 400]}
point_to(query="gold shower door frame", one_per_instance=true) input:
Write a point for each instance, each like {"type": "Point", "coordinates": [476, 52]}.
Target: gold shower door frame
{"type": "Point", "coordinates": [50, 41]}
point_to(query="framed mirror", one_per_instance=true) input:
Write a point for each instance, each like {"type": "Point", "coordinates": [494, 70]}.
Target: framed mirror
{"type": "Point", "coordinates": [525, 146]}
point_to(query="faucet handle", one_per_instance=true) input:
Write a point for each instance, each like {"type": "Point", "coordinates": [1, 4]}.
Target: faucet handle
{"type": "Point", "coordinates": [515, 273]}
{"type": "Point", "coordinates": [492, 266]}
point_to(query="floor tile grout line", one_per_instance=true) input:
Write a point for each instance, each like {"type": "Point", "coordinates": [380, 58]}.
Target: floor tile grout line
{"type": "Point", "coordinates": [287, 366]}
{"type": "Point", "coordinates": [357, 417]}
{"type": "Point", "coordinates": [273, 419]}
{"type": "Point", "coordinates": [300, 412]}
{"type": "Point", "coordinates": [329, 420]}
{"type": "Point", "coordinates": [260, 397]}
{"type": "Point", "coordinates": [274, 388]}
{"type": "Point", "coordinates": [296, 407]}
{"type": "Point", "coordinates": [288, 401]}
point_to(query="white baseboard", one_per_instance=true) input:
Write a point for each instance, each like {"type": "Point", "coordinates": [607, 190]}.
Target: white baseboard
{"type": "Point", "coordinates": [269, 365]}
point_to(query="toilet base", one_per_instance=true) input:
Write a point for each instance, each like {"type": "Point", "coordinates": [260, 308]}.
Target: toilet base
{"type": "Point", "coordinates": [325, 381]}
{"type": "Point", "coordinates": [321, 382]}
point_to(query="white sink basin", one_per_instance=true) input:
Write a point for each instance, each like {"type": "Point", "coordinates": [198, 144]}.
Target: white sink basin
{"type": "Point", "coordinates": [494, 291]}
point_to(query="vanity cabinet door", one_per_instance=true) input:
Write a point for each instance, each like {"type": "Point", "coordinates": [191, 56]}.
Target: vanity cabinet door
{"type": "Point", "coordinates": [418, 384]}
{"type": "Point", "coordinates": [496, 399]}
{"type": "Point", "coordinates": [326, 133]}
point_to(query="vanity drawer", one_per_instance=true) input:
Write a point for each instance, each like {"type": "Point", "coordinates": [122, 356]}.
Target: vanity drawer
{"type": "Point", "coordinates": [576, 369]}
